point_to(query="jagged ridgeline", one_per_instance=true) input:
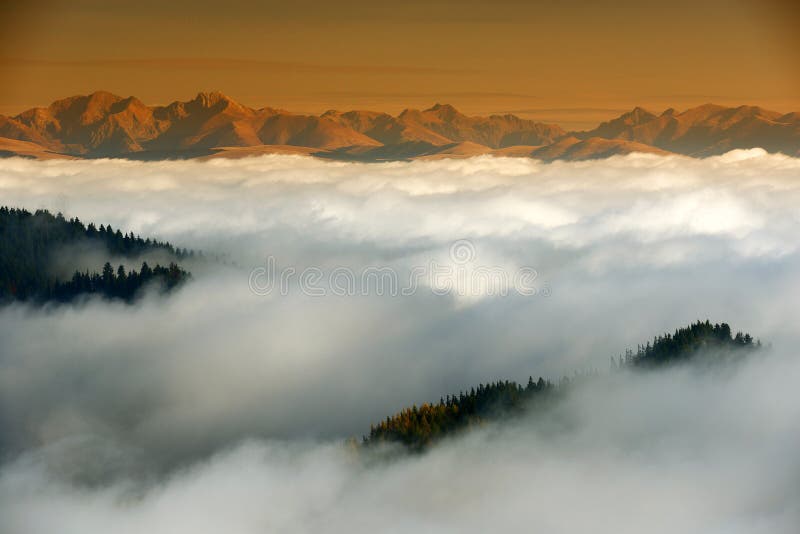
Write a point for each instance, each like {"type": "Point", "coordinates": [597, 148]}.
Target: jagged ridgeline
{"type": "Point", "coordinates": [30, 241]}
{"type": "Point", "coordinates": [420, 426]}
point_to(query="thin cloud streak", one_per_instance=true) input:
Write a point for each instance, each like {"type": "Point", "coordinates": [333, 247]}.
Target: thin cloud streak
{"type": "Point", "coordinates": [223, 63]}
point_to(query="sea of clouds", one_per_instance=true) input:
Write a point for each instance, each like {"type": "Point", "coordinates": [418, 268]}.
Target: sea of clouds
{"type": "Point", "coordinates": [222, 408]}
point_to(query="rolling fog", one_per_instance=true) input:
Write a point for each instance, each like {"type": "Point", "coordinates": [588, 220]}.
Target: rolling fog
{"type": "Point", "coordinates": [219, 408]}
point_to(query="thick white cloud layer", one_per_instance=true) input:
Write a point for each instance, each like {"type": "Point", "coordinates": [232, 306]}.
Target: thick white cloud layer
{"type": "Point", "coordinates": [658, 453]}
{"type": "Point", "coordinates": [626, 248]}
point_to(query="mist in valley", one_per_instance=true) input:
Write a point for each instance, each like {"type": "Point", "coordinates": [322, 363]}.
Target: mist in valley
{"type": "Point", "coordinates": [219, 407]}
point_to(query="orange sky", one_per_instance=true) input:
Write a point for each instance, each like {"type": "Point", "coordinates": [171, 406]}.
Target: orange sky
{"type": "Point", "coordinates": [574, 63]}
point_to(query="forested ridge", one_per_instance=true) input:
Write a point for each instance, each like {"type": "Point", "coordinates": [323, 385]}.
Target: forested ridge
{"type": "Point", "coordinates": [29, 241]}
{"type": "Point", "coordinates": [419, 426]}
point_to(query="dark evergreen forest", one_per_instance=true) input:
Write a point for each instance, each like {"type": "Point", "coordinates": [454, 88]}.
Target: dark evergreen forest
{"type": "Point", "coordinates": [419, 426]}
{"type": "Point", "coordinates": [29, 241]}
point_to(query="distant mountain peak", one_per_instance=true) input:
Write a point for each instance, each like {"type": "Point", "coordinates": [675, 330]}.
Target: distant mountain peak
{"type": "Point", "coordinates": [212, 98]}
{"type": "Point", "coordinates": [105, 124]}
{"type": "Point", "coordinates": [704, 110]}
{"type": "Point", "coordinates": [93, 101]}
{"type": "Point", "coordinates": [103, 95]}
{"type": "Point", "coordinates": [639, 115]}
{"type": "Point", "coordinates": [444, 110]}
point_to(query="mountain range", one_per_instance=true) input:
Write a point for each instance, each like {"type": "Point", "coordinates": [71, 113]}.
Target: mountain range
{"type": "Point", "coordinates": [213, 125]}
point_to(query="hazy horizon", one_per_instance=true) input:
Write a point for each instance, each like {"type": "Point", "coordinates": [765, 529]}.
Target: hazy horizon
{"type": "Point", "coordinates": [566, 115]}
{"type": "Point", "coordinates": [514, 56]}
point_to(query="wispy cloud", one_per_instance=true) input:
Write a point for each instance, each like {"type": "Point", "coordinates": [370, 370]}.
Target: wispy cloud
{"type": "Point", "coordinates": [226, 63]}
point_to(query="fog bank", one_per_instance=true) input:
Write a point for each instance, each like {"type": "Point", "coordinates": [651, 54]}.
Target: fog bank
{"type": "Point", "coordinates": [234, 404]}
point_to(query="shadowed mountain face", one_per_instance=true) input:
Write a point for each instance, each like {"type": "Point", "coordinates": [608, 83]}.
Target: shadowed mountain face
{"type": "Point", "coordinates": [496, 131]}
{"type": "Point", "coordinates": [106, 125]}
{"type": "Point", "coordinates": [706, 130]}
